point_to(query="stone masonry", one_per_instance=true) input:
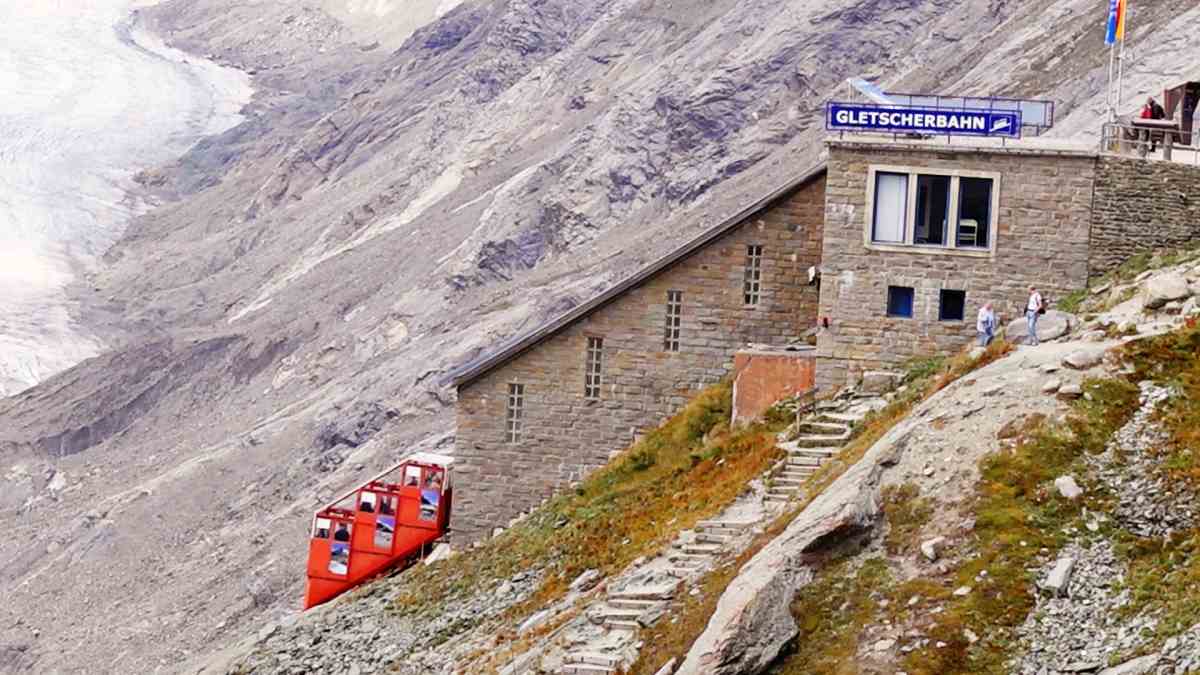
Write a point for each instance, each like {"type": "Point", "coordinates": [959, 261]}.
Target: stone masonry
{"type": "Point", "coordinates": [1141, 205]}
{"type": "Point", "coordinates": [1042, 234]}
{"type": "Point", "coordinates": [564, 434]}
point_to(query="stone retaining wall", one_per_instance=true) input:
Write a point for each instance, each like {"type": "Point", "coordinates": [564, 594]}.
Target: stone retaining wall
{"type": "Point", "coordinates": [1141, 205]}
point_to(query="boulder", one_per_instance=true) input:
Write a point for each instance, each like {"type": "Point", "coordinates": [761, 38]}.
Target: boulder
{"type": "Point", "coordinates": [1143, 665]}
{"type": "Point", "coordinates": [879, 381]}
{"type": "Point", "coordinates": [1164, 288]}
{"type": "Point", "coordinates": [1068, 488]}
{"type": "Point", "coordinates": [932, 547]}
{"type": "Point", "coordinates": [1051, 386]}
{"type": "Point", "coordinates": [1060, 577]}
{"type": "Point", "coordinates": [1070, 392]}
{"type": "Point", "coordinates": [585, 581]}
{"type": "Point", "coordinates": [1051, 325]}
{"type": "Point", "coordinates": [1083, 359]}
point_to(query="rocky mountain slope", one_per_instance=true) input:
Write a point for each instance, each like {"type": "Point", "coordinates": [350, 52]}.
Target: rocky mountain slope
{"type": "Point", "coordinates": [396, 202]}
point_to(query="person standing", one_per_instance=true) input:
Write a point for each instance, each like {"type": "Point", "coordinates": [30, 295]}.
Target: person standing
{"type": "Point", "coordinates": [1034, 307]}
{"type": "Point", "coordinates": [985, 325]}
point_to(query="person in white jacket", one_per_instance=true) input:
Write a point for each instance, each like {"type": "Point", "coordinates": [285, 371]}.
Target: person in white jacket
{"type": "Point", "coordinates": [1034, 308]}
{"type": "Point", "coordinates": [985, 325]}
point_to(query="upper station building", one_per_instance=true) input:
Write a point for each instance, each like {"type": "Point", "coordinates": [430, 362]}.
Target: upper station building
{"type": "Point", "coordinates": [911, 237]}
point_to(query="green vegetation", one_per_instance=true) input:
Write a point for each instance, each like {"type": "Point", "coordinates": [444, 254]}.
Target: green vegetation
{"type": "Point", "coordinates": [683, 472]}
{"type": "Point", "coordinates": [1017, 516]}
{"type": "Point", "coordinates": [672, 639]}
{"type": "Point", "coordinates": [1072, 302]}
{"type": "Point", "coordinates": [906, 514]}
{"type": "Point", "coordinates": [831, 613]}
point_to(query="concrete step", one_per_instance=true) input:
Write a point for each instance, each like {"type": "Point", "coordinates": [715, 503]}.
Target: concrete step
{"type": "Point", "coordinates": [782, 492]}
{"type": "Point", "coordinates": [631, 604]}
{"type": "Point", "coordinates": [788, 481]}
{"type": "Point", "coordinates": [586, 669]}
{"type": "Point", "coordinates": [823, 428]}
{"type": "Point", "coordinates": [619, 613]}
{"type": "Point", "coordinates": [843, 418]}
{"type": "Point", "coordinates": [732, 525]}
{"type": "Point", "coordinates": [657, 592]}
{"type": "Point", "coordinates": [592, 659]}
{"type": "Point", "coordinates": [797, 461]}
{"type": "Point", "coordinates": [708, 538]}
{"type": "Point", "coordinates": [677, 557]}
{"type": "Point", "coordinates": [819, 453]}
{"type": "Point", "coordinates": [780, 498]}
{"type": "Point", "coordinates": [821, 441]}
{"type": "Point", "coordinates": [617, 624]}
{"type": "Point", "coordinates": [702, 549]}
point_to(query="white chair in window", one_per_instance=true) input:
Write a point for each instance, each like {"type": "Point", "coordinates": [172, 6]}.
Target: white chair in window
{"type": "Point", "coordinates": [968, 232]}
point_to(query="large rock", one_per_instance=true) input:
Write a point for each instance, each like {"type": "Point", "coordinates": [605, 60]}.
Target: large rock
{"type": "Point", "coordinates": [1082, 359]}
{"type": "Point", "coordinates": [879, 381]}
{"type": "Point", "coordinates": [1060, 577]}
{"type": "Point", "coordinates": [753, 619]}
{"type": "Point", "coordinates": [1142, 665]}
{"type": "Point", "coordinates": [1164, 288]}
{"type": "Point", "coordinates": [1051, 325]}
{"type": "Point", "coordinates": [1068, 488]}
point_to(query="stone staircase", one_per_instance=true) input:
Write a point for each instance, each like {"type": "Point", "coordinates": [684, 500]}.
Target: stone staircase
{"type": "Point", "coordinates": [625, 610]}
{"type": "Point", "coordinates": [711, 537]}
{"type": "Point", "coordinates": [815, 438]}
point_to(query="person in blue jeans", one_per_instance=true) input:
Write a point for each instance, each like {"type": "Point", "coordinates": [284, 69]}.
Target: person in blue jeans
{"type": "Point", "coordinates": [1033, 309]}
{"type": "Point", "coordinates": [985, 325]}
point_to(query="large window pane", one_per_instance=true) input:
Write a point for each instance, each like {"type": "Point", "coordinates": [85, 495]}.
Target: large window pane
{"type": "Point", "coordinates": [974, 212]}
{"type": "Point", "coordinates": [933, 207]}
{"type": "Point", "coordinates": [891, 207]}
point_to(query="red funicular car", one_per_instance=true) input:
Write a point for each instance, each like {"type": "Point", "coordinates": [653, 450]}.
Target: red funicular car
{"type": "Point", "coordinates": [389, 521]}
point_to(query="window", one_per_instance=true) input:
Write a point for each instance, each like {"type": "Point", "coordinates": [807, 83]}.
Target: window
{"type": "Point", "coordinates": [595, 363]}
{"type": "Point", "coordinates": [974, 212]}
{"type": "Point", "coordinates": [952, 306]}
{"type": "Point", "coordinates": [891, 207]}
{"type": "Point", "coordinates": [752, 286]}
{"type": "Point", "coordinates": [516, 409]}
{"type": "Point", "coordinates": [900, 302]}
{"type": "Point", "coordinates": [932, 208]}
{"type": "Point", "coordinates": [674, 319]}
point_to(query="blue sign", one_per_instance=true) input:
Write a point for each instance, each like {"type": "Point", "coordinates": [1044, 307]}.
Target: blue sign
{"type": "Point", "coordinates": [893, 119]}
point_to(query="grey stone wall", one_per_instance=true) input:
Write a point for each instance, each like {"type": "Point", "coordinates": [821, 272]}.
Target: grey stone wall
{"type": "Point", "coordinates": [1141, 205]}
{"type": "Point", "coordinates": [565, 435]}
{"type": "Point", "coordinates": [1042, 239]}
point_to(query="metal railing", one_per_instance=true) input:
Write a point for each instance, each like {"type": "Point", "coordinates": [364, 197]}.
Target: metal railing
{"type": "Point", "coordinates": [1127, 139]}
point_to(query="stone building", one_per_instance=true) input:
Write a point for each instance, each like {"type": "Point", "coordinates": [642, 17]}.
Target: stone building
{"type": "Point", "coordinates": [911, 237]}
{"type": "Point", "coordinates": [547, 409]}
{"type": "Point", "coordinates": [919, 236]}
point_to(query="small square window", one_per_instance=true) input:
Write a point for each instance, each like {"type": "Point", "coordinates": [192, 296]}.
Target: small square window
{"type": "Point", "coordinates": [900, 302]}
{"type": "Point", "coordinates": [952, 306]}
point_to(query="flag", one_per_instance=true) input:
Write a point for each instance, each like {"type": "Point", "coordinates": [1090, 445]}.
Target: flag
{"type": "Point", "coordinates": [1116, 21]}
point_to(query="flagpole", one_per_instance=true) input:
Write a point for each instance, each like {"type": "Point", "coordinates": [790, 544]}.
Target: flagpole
{"type": "Point", "coordinates": [1112, 107]}
{"type": "Point", "coordinates": [1121, 58]}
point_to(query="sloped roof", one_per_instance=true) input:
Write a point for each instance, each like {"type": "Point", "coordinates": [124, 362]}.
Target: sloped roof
{"type": "Point", "coordinates": [469, 372]}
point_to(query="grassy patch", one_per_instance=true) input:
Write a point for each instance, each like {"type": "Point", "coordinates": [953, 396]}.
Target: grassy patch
{"type": "Point", "coordinates": [1018, 514]}
{"type": "Point", "coordinates": [667, 640]}
{"type": "Point", "coordinates": [906, 513]}
{"type": "Point", "coordinates": [680, 473]}
{"type": "Point", "coordinates": [831, 612]}
{"type": "Point", "coordinates": [1072, 302]}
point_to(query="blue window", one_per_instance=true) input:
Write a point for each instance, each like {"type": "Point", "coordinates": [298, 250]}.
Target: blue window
{"type": "Point", "coordinates": [900, 302]}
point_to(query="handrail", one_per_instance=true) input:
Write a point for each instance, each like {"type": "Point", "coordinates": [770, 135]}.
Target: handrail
{"type": "Point", "coordinates": [1138, 138]}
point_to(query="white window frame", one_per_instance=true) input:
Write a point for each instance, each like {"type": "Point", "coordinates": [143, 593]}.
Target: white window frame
{"type": "Point", "coordinates": [951, 245]}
